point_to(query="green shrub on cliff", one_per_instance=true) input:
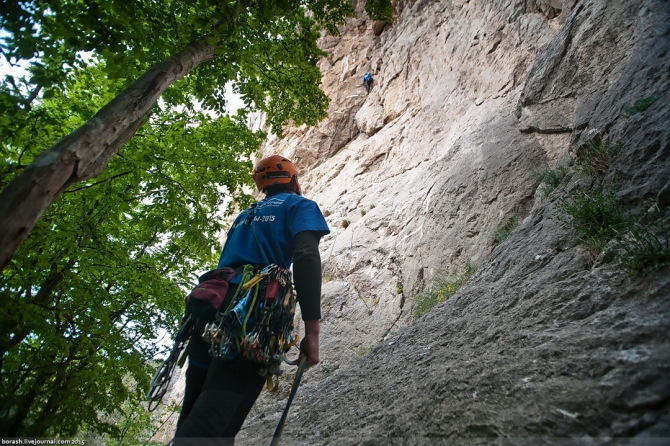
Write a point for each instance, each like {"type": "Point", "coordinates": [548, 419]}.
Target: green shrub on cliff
{"type": "Point", "coordinates": [440, 288]}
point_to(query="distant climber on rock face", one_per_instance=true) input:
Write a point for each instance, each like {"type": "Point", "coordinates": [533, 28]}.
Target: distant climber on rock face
{"type": "Point", "coordinates": [368, 80]}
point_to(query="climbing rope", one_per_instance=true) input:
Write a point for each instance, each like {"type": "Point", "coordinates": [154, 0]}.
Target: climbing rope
{"type": "Point", "coordinates": [294, 389]}
{"type": "Point", "coordinates": [174, 411]}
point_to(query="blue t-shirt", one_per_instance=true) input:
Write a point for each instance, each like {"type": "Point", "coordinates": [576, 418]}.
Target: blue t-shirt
{"type": "Point", "coordinates": [275, 220]}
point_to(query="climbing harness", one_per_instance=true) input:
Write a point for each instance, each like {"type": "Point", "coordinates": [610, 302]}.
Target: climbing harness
{"type": "Point", "coordinates": [161, 380]}
{"type": "Point", "coordinates": [258, 322]}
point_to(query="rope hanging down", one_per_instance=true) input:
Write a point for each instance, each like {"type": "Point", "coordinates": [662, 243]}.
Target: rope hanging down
{"type": "Point", "coordinates": [294, 389]}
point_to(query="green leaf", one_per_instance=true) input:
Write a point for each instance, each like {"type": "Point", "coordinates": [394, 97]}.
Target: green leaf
{"type": "Point", "coordinates": [379, 10]}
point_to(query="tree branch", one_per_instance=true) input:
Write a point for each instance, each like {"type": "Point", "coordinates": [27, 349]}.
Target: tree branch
{"type": "Point", "coordinates": [97, 182]}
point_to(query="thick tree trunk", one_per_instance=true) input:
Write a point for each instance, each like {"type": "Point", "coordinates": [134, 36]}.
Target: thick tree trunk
{"type": "Point", "coordinates": [84, 153]}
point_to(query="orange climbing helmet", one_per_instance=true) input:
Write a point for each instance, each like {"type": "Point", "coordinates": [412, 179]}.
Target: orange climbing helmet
{"type": "Point", "coordinates": [275, 170]}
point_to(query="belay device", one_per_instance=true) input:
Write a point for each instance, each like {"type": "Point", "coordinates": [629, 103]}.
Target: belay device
{"type": "Point", "coordinates": [258, 322]}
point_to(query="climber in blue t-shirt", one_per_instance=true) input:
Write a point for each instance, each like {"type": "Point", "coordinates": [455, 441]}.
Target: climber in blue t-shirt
{"type": "Point", "coordinates": [283, 229]}
{"type": "Point", "coordinates": [273, 223]}
{"type": "Point", "coordinates": [368, 80]}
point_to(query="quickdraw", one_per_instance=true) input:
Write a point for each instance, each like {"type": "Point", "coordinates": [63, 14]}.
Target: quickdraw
{"type": "Point", "coordinates": [161, 380]}
{"type": "Point", "coordinates": [258, 322]}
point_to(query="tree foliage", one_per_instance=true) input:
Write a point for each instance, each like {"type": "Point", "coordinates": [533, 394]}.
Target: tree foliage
{"type": "Point", "coordinates": [380, 10]}
{"type": "Point", "coordinates": [267, 47]}
{"type": "Point", "coordinates": [99, 276]}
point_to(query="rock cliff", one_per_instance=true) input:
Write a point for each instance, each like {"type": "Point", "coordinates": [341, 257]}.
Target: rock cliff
{"type": "Point", "coordinates": [470, 100]}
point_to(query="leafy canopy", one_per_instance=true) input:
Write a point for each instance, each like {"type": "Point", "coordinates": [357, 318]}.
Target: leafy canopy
{"type": "Point", "coordinates": [267, 48]}
{"type": "Point", "coordinates": [103, 272]}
